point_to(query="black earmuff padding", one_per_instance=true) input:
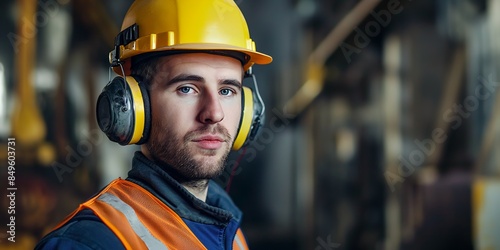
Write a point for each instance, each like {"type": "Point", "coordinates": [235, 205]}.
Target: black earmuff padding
{"type": "Point", "coordinates": [103, 112]}
{"type": "Point", "coordinates": [258, 118]}
{"type": "Point", "coordinates": [114, 111]}
{"type": "Point", "coordinates": [147, 110]}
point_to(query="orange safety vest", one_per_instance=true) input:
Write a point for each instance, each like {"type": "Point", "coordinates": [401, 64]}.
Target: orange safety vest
{"type": "Point", "coordinates": [142, 221]}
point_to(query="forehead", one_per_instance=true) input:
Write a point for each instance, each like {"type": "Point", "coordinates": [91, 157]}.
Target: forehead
{"type": "Point", "coordinates": [202, 62]}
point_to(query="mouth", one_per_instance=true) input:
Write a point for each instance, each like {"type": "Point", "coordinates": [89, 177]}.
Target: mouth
{"type": "Point", "coordinates": [211, 142]}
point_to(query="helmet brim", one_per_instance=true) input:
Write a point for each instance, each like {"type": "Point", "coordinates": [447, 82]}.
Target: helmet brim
{"type": "Point", "coordinates": [254, 56]}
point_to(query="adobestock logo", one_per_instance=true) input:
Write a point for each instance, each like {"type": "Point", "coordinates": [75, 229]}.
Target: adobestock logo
{"type": "Point", "coordinates": [329, 244]}
{"type": "Point", "coordinates": [372, 29]}
{"type": "Point", "coordinates": [223, 7]}
{"type": "Point", "coordinates": [75, 156]}
{"type": "Point", "coordinates": [454, 116]}
{"type": "Point", "coordinates": [277, 124]}
{"type": "Point", "coordinates": [29, 27]}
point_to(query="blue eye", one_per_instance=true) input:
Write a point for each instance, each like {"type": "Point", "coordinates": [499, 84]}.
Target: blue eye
{"type": "Point", "coordinates": [185, 90]}
{"type": "Point", "coordinates": [226, 92]}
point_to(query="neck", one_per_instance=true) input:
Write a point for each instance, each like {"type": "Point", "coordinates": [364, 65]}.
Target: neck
{"type": "Point", "coordinates": [197, 188]}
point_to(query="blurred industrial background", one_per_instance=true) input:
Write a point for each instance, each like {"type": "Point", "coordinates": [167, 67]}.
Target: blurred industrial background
{"type": "Point", "coordinates": [382, 126]}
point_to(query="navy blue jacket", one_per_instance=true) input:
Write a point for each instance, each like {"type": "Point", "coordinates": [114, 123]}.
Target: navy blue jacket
{"type": "Point", "coordinates": [214, 223]}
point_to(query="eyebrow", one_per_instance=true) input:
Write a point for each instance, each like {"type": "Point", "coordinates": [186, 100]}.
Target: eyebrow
{"type": "Point", "coordinates": [197, 78]}
{"type": "Point", "coordinates": [232, 82]}
{"type": "Point", "coordinates": [185, 77]}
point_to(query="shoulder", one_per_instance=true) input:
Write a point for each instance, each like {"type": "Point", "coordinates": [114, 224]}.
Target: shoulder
{"type": "Point", "coordinates": [84, 231]}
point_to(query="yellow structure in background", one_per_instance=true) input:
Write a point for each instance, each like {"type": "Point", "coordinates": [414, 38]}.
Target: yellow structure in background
{"type": "Point", "coordinates": [28, 126]}
{"type": "Point", "coordinates": [486, 213]}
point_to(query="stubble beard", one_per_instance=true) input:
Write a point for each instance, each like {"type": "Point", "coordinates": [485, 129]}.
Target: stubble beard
{"type": "Point", "coordinates": [176, 156]}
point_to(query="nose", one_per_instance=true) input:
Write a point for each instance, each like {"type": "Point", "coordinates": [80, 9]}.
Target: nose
{"type": "Point", "coordinates": [211, 110]}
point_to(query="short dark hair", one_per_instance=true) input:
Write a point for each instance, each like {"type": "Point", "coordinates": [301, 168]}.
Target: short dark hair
{"type": "Point", "coordinates": [146, 69]}
{"type": "Point", "coordinates": [146, 66]}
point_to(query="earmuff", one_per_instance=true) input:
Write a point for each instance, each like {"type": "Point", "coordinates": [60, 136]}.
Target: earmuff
{"type": "Point", "coordinates": [252, 114]}
{"type": "Point", "coordinates": [124, 113]}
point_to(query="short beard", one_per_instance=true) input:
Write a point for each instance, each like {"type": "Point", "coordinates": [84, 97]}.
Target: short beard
{"type": "Point", "coordinates": [172, 154]}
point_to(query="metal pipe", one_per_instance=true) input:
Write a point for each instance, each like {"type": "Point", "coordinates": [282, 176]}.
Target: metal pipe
{"type": "Point", "coordinates": [315, 73]}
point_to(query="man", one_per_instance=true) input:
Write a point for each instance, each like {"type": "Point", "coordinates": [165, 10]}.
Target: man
{"type": "Point", "coordinates": [183, 100]}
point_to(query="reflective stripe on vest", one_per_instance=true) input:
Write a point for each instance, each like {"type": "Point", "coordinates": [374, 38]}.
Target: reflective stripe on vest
{"type": "Point", "coordinates": [239, 242]}
{"type": "Point", "coordinates": [149, 240]}
{"type": "Point", "coordinates": [142, 221]}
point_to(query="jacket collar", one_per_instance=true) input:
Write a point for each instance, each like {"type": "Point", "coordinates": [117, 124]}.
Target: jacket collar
{"type": "Point", "coordinates": [219, 209]}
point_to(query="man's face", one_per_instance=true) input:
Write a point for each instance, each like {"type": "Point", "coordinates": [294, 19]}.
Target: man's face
{"type": "Point", "coordinates": [196, 109]}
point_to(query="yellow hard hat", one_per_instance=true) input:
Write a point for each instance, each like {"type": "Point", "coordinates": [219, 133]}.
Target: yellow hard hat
{"type": "Point", "coordinates": [183, 25]}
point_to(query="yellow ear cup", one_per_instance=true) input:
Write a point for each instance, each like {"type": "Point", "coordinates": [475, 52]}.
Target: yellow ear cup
{"type": "Point", "coordinates": [138, 109]}
{"type": "Point", "coordinates": [246, 118]}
